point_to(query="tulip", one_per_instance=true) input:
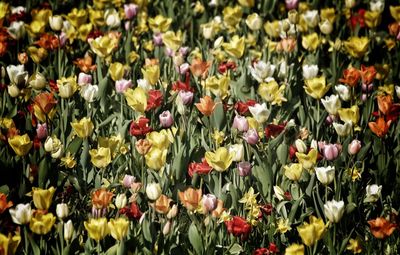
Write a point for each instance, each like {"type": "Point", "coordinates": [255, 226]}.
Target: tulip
{"type": "Point", "coordinates": [17, 74]}
{"type": "Point", "coordinates": [101, 198]}
{"type": "Point", "coordinates": [251, 136]}
{"type": "Point", "coordinates": [209, 203]}
{"type": "Point", "coordinates": [166, 119]}
{"type": "Point", "coordinates": [244, 168]}
{"type": "Point", "coordinates": [83, 128]}
{"type": "Point", "coordinates": [84, 79]}
{"type": "Point", "coordinates": [118, 228]}
{"type": "Point", "coordinates": [42, 198]}
{"type": "Point", "coordinates": [351, 114]}
{"type": "Point", "coordinates": [97, 228]}
{"type": "Point", "coordinates": [186, 97]}
{"type": "Point", "coordinates": [206, 105]}
{"type": "Point", "coordinates": [380, 127]}
{"type": "Point", "coordinates": [121, 201]}
{"type": "Point", "coordinates": [372, 19]}
{"type": "Point", "coordinates": [237, 150]}
{"type": "Point", "coordinates": [325, 175]}
{"type": "Point", "coordinates": [37, 81]}
{"type": "Point", "coordinates": [233, 15]}
{"type": "Point", "coordinates": [130, 10]}
{"type": "Point", "coordinates": [162, 204]}
{"type": "Point", "coordinates": [190, 198]}
{"type": "Point", "coordinates": [310, 42]}
{"type": "Point", "coordinates": [373, 193]}
{"type": "Point", "coordinates": [68, 230]}
{"type": "Point", "coordinates": [356, 46]}
{"type": "Point", "coordinates": [240, 123]}
{"type": "Point", "coordinates": [316, 87]}
{"type": "Point", "coordinates": [13, 90]}
{"type": "Point", "coordinates": [156, 158]}
{"type": "Point", "coordinates": [235, 47]}
{"type": "Point", "coordinates": [159, 23]}
{"type": "Point", "coordinates": [62, 210]}
{"type": "Point", "coordinates": [343, 129]}
{"type": "Point", "coordinates": [54, 146]}
{"type": "Point", "coordinates": [381, 227]}
{"type": "Point", "coordinates": [354, 246]}
{"type": "Point", "coordinates": [56, 22]}
{"type": "Point", "coordinates": [310, 71]}
{"type": "Point", "coordinates": [128, 180]}
{"type": "Point", "coordinates": [137, 99]}
{"type": "Point", "coordinates": [308, 160]}
{"type": "Point", "coordinates": [262, 72]}
{"type": "Point", "coordinates": [238, 226]}
{"type": "Point", "coordinates": [41, 224]}
{"type": "Point", "coordinates": [22, 214]}
{"type": "Point", "coordinates": [351, 76]}
{"type": "Point", "coordinates": [311, 18]}
{"type": "Point", "coordinates": [334, 210]}
{"type": "Point", "coordinates": [173, 212]}
{"type": "Point", "coordinates": [67, 86]}
{"type": "Point", "coordinates": [121, 86]}
{"type": "Point", "coordinates": [332, 104]}
{"type": "Point", "coordinates": [220, 160]}
{"type": "Point", "coordinates": [16, 30]}
{"type": "Point", "coordinates": [89, 92]}
{"type": "Point", "coordinates": [311, 232]}
{"type": "Point", "coordinates": [172, 40]}
{"type": "Point", "coordinates": [112, 18]}
{"type": "Point", "coordinates": [100, 157]}
{"type": "Point", "coordinates": [103, 46]}
{"type": "Point", "coordinates": [279, 193]}
{"type": "Point", "coordinates": [260, 112]}
{"type": "Point", "coordinates": [326, 27]}
{"type": "Point", "coordinates": [300, 146]}
{"type": "Point", "coordinates": [153, 191]}
{"type": "Point", "coordinates": [254, 22]}
{"type": "Point", "coordinates": [331, 151]}
{"type": "Point", "coordinates": [294, 171]}
{"type": "Point", "coordinates": [354, 147]}
{"type": "Point", "coordinates": [151, 74]}
{"type": "Point", "coordinates": [218, 86]}
{"type": "Point", "coordinates": [295, 249]}
{"type": "Point", "coordinates": [167, 227]}
{"type": "Point", "coordinates": [344, 92]}
{"type": "Point", "coordinates": [21, 144]}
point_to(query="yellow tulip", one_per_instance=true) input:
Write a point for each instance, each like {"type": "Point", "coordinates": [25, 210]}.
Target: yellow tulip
{"type": "Point", "coordinates": [310, 42]}
{"type": "Point", "coordinates": [118, 228]}
{"type": "Point", "coordinates": [156, 158]}
{"type": "Point", "coordinates": [356, 46]}
{"type": "Point", "coordinates": [103, 46]}
{"type": "Point", "coordinates": [328, 14]}
{"type": "Point", "coordinates": [77, 17]}
{"type": "Point", "coordinates": [172, 40]}
{"type": "Point", "coordinates": [272, 92]}
{"type": "Point", "coordinates": [386, 89]}
{"type": "Point", "coordinates": [113, 142]}
{"type": "Point", "coordinates": [116, 71]}
{"type": "Point", "coordinates": [21, 144]}
{"type": "Point", "coordinates": [235, 47]}
{"type": "Point", "coordinates": [272, 28]}
{"type": "Point", "coordinates": [96, 17]}
{"type": "Point", "coordinates": [84, 30]}
{"type": "Point", "coordinates": [100, 157]}
{"type": "Point", "coordinates": [372, 19]}
{"type": "Point", "coordinates": [295, 249]}
{"type": "Point", "coordinates": [9, 244]}
{"type": "Point", "coordinates": [294, 171]}
{"type": "Point", "coordinates": [158, 139]}
{"type": "Point", "coordinates": [220, 160]}
{"type": "Point", "coordinates": [97, 228]}
{"type": "Point", "coordinates": [151, 74]}
{"type": "Point", "coordinates": [83, 128]}
{"type": "Point", "coordinates": [36, 28]}
{"type": "Point", "coordinates": [309, 160]}
{"type": "Point", "coordinates": [137, 99]}
{"type": "Point", "coordinates": [311, 232]}
{"type": "Point", "coordinates": [350, 114]}
{"type": "Point", "coordinates": [42, 198]}
{"type": "Point", "coordinates": [3, 11]}
{"type": "Point", "coordinates": [41, 224]}
{"type": "Point", "coordinates": [232, 15]}
{"type": "Point", "coordinates": [246, 3]}
{"type": "Point", "coordinates": [37, 54]}
{"type": "Point", "coordinates": [316, 87]}
{"type": "Point", "coordinates": [159, 24]}
{"type": "Point", "coordinates": [6, 123]}
{"type": "Point", "coordinates": [218, 86]}
{"type": "Point", "coordinates": [395, 12]}
{"type": "Point", "coordinates": [67, 86]}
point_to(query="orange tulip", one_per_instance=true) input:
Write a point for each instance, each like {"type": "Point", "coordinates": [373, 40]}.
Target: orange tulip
{"type": "Point", "coordinates": [206, 105]}
{"type": "Point", "coordinates": [101, 198]}
{"type": "Point", "coordinates": [190, 198]}
{"type": "Point", "coordinates": [162, 204]}
{"type": "Point", "coordinates": [4, 205]}
{"type": "Point", "coordinates": [200, 68]}
{"type": "Point", "coordinates": [45, 101]}
{"type": "Point", "coordinates": [380, 127]}
{"type": "Point", "coordinates": [367, 74]}
{"type": "Point", "coordinates": [381, 228]}
{"type": "Point", "coordinates": [85, 63]}
{"type": "Point", "coordinates": [384, 103]}
{"type": "Point", "coordinates": [217, 212]}
{"type": "Point", "coordinates": [351, 76]}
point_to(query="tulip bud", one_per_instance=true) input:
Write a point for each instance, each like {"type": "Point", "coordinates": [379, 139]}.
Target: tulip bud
{"type": "Point", "coordinates": [397, 91]}
{"type": "Point", "coordinates": [311, 18]}
{"type": "Point", "coordinates": [240, 123]}
{"type": "Point", "coordinates": [172, 212]}
{"type": "Point", "coordinates": [291, 4]}
{"type": "Point", "coordinates": [56, 22]}
{"type": "Point", "coordinates": [343, 91]}
{"type": "Point", "coordinates": [112, 18]}
{"type": "Point", "coordinates": [251, 136]}
{"type": "Point", "coordinates": [130, 10]}
{"type": "Point", "coordinates": [334, 210]}
{"type": "Point", "coordinates": [293, 16]}
{"type": "Point", "coordinates": [184, 68]}
{"type": "Point", "coordinates": [244, 168]}
{"type": "Point", "coordinates": [121, 200]}
{"type": "Point", "coordinates": [13, 90]}
{"type": "Point", "coordinates": [300, 146]}
{"type": "Point", "coordinates": [37, 81]}
{"type": "Point", "coordinates": [254, 21]}
{"type": "Point", "coordinates": [128, 180]}
{"type": "Point", "coordinates": [153, 191]}
{"type": "Point", "coordinates": [62, 211]}
{"type": "Point", "coordinates": [157, 39]}
{"type": "Point", "coordinates": [237, 150]}
{"type": "Point", "coordinates": [326, 27]}
{"type": "Point", "coordinates": [354, 147]}
{"type": "Point", "coordinates": [279, 193]}
{"type": "Point", "coordinates": [350, 3]}
{"type": "Point", "coordinates": [166, 119]}
{"type": "Point", "coordinates": [209, 202]}
{"type": "Point", "coordinates": [68, 230]}
{"type": "Point", "coordinates": [186, 97]}
{"type": "Point", "coordinates": [143, 146]}
{"type": "Point", "coordinates": [84, 79]}
{"type": "Point", "coordinates": [373, 192]}
{"type": "Point", "coordinates": [41, 130]}
{"type": "Point", "coordinates": [89, 92]}
{"type": "Point", "coordinates": [167, 228]}
{"type": "Point", "coordinates": [325, 174]}
{"type": "Point", "coordinates": [331, 151]}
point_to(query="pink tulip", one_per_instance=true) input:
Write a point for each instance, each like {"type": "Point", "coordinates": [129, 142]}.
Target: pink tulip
{"type": "Point", "coordinates": [354, 147]}
{"type": "Point", "coordinates": [251, 136]}
{"type": "Point", "coordinates": [84, 79]}
{"type": "Point", "coordinates": [41, 130]}
{"type": "Point", "coordinates": [130, 10]}
{"type": "Point", "coordinates": [244, 168]}
{"type": "Point", "coordinates": [240, 123]}
{"type": "Point", "coordinates": [166, 119]}
{"type": "Point", "coordinates": [331, 151]}
{"type": "Point", "coordinates": [210, 202]}
{"type": "Point", "coordinates": [122, 85]}
{"type": "Point", "coordinates": [186, 97]}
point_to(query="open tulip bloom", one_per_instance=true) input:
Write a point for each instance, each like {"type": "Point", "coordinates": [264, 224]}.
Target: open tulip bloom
{"type": "Point", "coordinates": [199, 127]}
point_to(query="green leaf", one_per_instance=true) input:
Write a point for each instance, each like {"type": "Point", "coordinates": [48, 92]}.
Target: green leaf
{"type": "Point", "coordinates": [235, 249]}
{"type": "Point", "coordinates": [43, 171]}
{"type": "Point", "coordinates": [264, 176]}
{"type": "Point", "coordinates": [195, 239]}
{"type": "Point", "coordinates": [282, 153]}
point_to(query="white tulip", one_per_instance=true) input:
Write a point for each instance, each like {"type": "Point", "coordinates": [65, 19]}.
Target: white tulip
{"type": "Point", "coordinates": [373, 192]}
{"type": "Point", "coordinates": [343, 129]}
{"type": "Point", "coordinates": [325, 174]}
{"type": "Point", "coordinates": [62, 210]}
{"type": "Point", "coordinates": [334, 210]}
{"type": "Point", "coordinates": [311, 18]}
{"type": "Point", "coordinates": [310, 71]}
{"type": "Point", "coordinates": [332, 104]}
{"type": "Point", "coordinates": [16, 30]}
{"type": "Point", "coordinates": [262, 72]}
{"type": "Point", "coordinates": [260, 112]}
{"type": "Point", "coordinates": [89, 92]}
{"type": "Point", "coordinates": [17, 74]}
{"type": "Point", "coordinates": [22, 214]}
{"type": "Point", "coordinates": [153, 191]}
{"type": "Point", "coordinates": [237, 150]}
{"type": "Point", "coordinates": [343, 91]}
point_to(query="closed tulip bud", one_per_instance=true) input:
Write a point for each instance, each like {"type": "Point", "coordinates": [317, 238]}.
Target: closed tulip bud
{"type": "Point", "coordinates": [21, 214]}
{"type": "Point", "coordinates": [157, 39]}
{"type": "Point", "coordinates": [310, 71]}
{"type": "Point", "coordinates": [326, 27]}
{"type": "Point", "coordinates": [89, 92]}
{"type": "Point", "coordinates": [130, 10]}
{"type": "Point", "coordinates": [343, 91]}
{"type": "Point", "coordinates": [209, 202]}
{"type": "Point", "coordinates": [325, 174]}
{"type": "Point", "coordinates": [334, 210]}
{"type": "Point", "coordinates": [354, 147]}
{"type": "Point", "coordinates": [300, 146]}
{"type": "Point", "coordinates": [186, 97]}
{"type": "Point", "coordinates": [251, 136]}
{"type": "Point", "coordinates": [122, 85]}
{"type": "Point", "coordinates": [291, 4]}
{"type": "Point", "coordinates": [166, 119]}
{"type": "Point", "coordinates": [153, 191]}
{"type": "Point", "coordinates": [121, 200]}
{"type": "Point", "coordinates": [128, 180]}
{"type": "Point", "coordinates": [254, 21]}
{"type": "Point", "coordinates": [331, 151]}
{"type": "Point", "coordinates": [373, 193]}
{"type": "Point", "coordinates": [13, 90]}
{"type": "Point", "coordinates": [172, 212]}
{"type": "Point", "coordinates": [62, 211]}
{"type": "Point", "coordinates": [240, 123]}
{"type": "Point", "coordinates": [84, 79]}
{"type": "Point", "coordinates": [41, 130]}
{"type": "Point", "coordinates": [112, 18]}
{"type": "Point", "coordinates": [311, 18]}
{"type": "Point", "coordinates": [167, 228]}
{"type": "Point", "coordinates": [37, 81]}
{"type": "Point", "coordinates": [244, 168]}
{"type": "Point", "coordinates": [68, 230]}
{"type": "Point", "coordinates": [293, 16]}
{"type": "Point", "coordinates": [56, 22]}
{"type": "Point", "coordinates": [364, 97]}
{"type": "Point", "coordinates": [237, 150]}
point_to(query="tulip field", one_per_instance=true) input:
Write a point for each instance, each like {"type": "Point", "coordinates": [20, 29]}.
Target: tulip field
{"type": "Point", "coordinates": [199, 127]}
